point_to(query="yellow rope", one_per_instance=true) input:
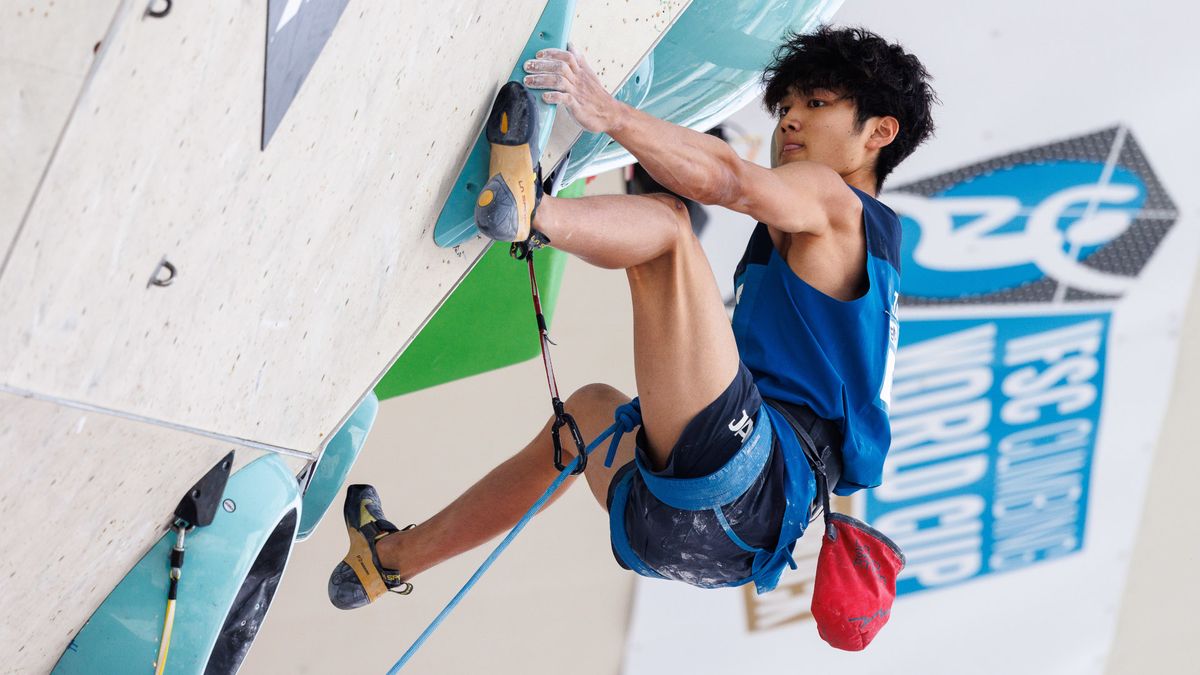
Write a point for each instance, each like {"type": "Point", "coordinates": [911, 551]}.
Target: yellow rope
{"type": "Point", "coordinates": [168, 623]}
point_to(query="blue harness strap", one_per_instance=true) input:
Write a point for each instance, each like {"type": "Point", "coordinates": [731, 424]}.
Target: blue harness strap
{"type": "Point", "coordinates": [696, 494]}
{"type": "Point", "coordinates": [721, 486]}
{"type": "Point", "coordinates": [620, 536]}
{"type": "Point", "coordinates": [801, 488]}
{"type": "Point", "coordinates": [720, 514]}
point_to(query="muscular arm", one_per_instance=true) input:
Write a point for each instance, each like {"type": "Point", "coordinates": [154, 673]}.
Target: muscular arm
{"type": "Point", "coordinates": [797, 197]}
{"type": "Point", "coordinates": [695, 165]}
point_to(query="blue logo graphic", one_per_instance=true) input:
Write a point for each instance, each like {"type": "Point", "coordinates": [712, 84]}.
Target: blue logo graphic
{"type": "Point", "coordinates": [995, 412]}
{"type": "Point", "coordinates": [994, 426]}
{"type": "Point", "coordinates": [1017, 225]}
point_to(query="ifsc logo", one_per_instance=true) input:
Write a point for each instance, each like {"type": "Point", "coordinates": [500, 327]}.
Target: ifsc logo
{"type": "Point", "coordinates": [1072, 220]}
{"type": "Point", "coordinates": [1012, 269]}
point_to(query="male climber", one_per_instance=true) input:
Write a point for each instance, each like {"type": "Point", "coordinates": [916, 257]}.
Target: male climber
{"type": "Point", "coordinates": [813, 333]}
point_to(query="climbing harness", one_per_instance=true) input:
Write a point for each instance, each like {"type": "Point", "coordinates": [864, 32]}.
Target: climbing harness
{"type": "Point", "coordinates": [713, 493]}
{"type": "Point", "coordinates": [769, 565]}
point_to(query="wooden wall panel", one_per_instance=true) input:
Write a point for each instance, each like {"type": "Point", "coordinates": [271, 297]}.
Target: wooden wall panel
{"type": "Point", "coordinates": [302, 270]}
{"type": "Point", "coordinates": [83, 496]}
{"type": "Point", "coordinates": [46, 50]}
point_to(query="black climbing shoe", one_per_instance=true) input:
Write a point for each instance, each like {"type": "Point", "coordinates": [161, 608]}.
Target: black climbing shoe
{"type": "Point", "coordinates": [360, 578]}
{"type": "Point", "coordinates": [505, 207]}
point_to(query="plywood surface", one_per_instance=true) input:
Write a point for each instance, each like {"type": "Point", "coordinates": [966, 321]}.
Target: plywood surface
{"type": "Point", "coordinates": [46, 50]}
{"type": "Point", "coordinates": [82, 497]}
{"type": "Point", "coordinates": [302, 270]}
{"type": "Point", "coordinates": [297, 275]}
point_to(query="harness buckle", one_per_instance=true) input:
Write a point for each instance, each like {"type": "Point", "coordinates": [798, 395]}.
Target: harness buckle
{"type": "Point", "coordinates": [563, 418]}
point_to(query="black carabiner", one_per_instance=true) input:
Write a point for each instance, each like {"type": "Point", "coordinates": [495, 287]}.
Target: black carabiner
{"type": "Point", "coordinates": [561, 419]}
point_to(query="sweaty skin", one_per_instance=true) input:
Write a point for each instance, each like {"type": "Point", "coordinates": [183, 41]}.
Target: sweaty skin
{"type": "Point", "coordinates": [814, 220]}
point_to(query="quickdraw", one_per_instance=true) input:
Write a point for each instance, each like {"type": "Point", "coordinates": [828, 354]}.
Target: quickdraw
{"type": "Point", "coordinates": [181, 529]}
{"type": "Point", "coordinates": [524, 251]}
{"type": "Point", "coordinates": [197, 509]}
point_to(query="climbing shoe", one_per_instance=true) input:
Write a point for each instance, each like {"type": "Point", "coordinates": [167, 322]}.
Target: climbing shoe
{"type": "Point", "coordinates": [505, 207]}
{"type": "Point", "coordinates": [359, 579]}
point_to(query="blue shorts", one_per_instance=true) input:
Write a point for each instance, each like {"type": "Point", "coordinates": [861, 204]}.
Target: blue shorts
{"type": "Point", "coordinates": [692, 546]}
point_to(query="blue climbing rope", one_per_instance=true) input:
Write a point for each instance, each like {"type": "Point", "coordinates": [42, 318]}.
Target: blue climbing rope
{"type": "Point", "coordinates": [627, 418]}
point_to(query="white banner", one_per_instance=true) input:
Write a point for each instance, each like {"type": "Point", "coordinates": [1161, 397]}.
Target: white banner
{"type": "Point", "coordinates": [1046, 267]}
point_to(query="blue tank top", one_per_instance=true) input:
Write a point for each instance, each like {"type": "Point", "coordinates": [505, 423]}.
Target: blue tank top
{"type": "Point", "coordinates": [805, 347]}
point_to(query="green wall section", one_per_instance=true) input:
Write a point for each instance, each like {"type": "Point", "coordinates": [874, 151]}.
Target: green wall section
{"type": "Point", "coordinates": [485, 324]}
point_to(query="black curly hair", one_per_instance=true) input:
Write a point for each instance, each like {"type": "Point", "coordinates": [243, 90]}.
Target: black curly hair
{"type": "Point", "coordinates": [880, 77]}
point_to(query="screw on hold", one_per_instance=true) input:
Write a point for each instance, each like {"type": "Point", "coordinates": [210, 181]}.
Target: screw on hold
{"type": "Point", "coordinates": [201, 501]}
{"type": "Point", "coordinates": [229, 506]}
{"type": "Point", "coordinates": [159, 13]}
{"type": "Point", "coordinates": [157, 278]}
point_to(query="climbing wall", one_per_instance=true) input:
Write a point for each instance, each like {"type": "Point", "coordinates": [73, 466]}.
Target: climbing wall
{"type": "Point", "coordinates": [46, 51]}
{"type": "Point", "coordinates": [296, 277]}
{"type": "Point", "coordinates": [301, 271]}
{"type": "Point", "coordinates": [82, 496]}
